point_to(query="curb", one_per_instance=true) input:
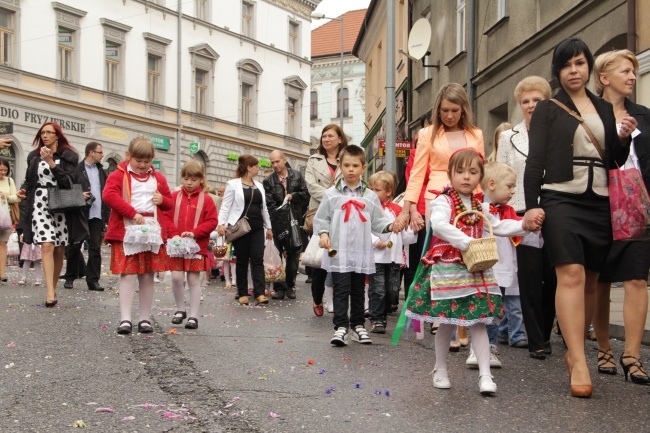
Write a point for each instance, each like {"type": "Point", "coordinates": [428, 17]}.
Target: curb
{"type": "Point", "coordinates": [618, 332]}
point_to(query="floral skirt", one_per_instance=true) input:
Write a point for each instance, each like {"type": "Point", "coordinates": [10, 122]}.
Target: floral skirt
{"type": "Point", "coordinates": [466, 310]}
{"type": "Point", "coordinates": [187, 265]}
{"type": "Point", "coordinates": [140, 263]}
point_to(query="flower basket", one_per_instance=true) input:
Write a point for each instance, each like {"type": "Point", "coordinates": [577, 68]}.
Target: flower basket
{"type": "Point", "coordinates": [482, 253]}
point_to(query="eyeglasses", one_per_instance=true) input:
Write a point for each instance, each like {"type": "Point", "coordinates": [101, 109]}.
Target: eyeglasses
{"type": "Point", "coordinates": [48, 133]}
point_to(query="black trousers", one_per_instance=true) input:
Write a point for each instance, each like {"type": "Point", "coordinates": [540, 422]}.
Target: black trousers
{"type": "Point", "coordinates": [94, 265]}
{"type": "Point", "coordinates": [537, 284]}
{"type": "Point", "coordinates": [349, 291]}
{"type": "Point", "coordinates": [318, 277]}
{"type": "Point", "coordinates": [75, 263]}
{"type": "Point", "coordinates": [290, 266]}
{"type": "Point", "coordinates": [415, 254]}
{"type": "Point", "coordinates": [250, 248]}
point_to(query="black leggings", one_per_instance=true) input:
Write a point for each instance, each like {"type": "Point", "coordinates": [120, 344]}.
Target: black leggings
{"type": "Point", "coordinates": [250, 247]}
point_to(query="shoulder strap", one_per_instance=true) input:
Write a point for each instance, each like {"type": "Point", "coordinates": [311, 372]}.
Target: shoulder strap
{"type": "Point", "coordinates": [584, 125]}
{"type": "Point", "coordinates": [177, 207]}
{"type": "Point", "coordinates": [252, 194]}
{"type": "Point", "coordinates": [199, 209]}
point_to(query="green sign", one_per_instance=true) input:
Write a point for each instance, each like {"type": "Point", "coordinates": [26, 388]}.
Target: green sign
{"type": "Point", "coordinates": [232, 157]}
{"type": "Point", "coordinates": [156, 164]}
{"type": "Point", "coordinates": [265, 162]}
{"type": "Point", "coordinates": [194, 147]}
{"type": "Point", "coordinates": [159, 142]}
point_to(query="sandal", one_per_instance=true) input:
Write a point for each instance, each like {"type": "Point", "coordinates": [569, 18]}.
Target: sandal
{"type": "Point", "coordinates": [178, 318]}
{"type": "Point", "coordinates": [144, 327]}
{"type": "Point", "coordinates": [606, 357]}
{"type": "Point", "coordinates": [125, 327]}
{"type": "Point", "coordinates": [638, 375]}
{"type": "Point", "coordinates": [192, 323]}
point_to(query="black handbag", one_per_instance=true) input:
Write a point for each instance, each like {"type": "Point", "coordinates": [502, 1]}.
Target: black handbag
{"type": "Point", "coordinates": [61, 200]}
{"type": "Point", "coordinates": [241, 227]}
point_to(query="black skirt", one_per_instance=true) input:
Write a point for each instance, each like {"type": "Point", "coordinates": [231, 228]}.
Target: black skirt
{"type": "Point", "coordinates": [577, 228]}
{"type": "Point", "coordinates": [627, 260]}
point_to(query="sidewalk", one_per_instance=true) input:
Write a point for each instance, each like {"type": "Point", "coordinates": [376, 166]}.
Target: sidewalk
{"type": "Point", "coordinates": [616, 326]}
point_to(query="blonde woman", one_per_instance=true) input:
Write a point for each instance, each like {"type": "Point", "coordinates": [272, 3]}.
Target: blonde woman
{"type": "Point", "coordinates": [8, 193]}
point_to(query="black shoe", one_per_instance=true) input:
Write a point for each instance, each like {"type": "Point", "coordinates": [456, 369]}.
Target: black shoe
{"type": "Point", "coordinates": [68, 284]}
{"type": "Point", "coordinates": [308, 280]}
{"type": "Point", "coordinates": [291, 293]}
{"type": "Point", "coordinates": [192, 323]}
{"type": "Point", "coordinates": [547, 348]}
{"type": "Point", "coordinates": [538, 354]}
{"type": "Point", "coordinates": [144, 327]}
{"type": "Point", "coordinates": [604, 358]}
{"type": "Point", "coordinates": [638, 375]}
{"type": "Point", "coordinates": [125, 327]}
{"type": "Point", "coordinates": [51, 304]}
{"type": "Point", "coordinates": [280, 295]}
{"type": "Point", "coordinates": [178, 318]}
{"type": "Point", "coordinates": [96, 287]}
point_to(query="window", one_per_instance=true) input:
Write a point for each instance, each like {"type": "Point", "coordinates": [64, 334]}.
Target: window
{"type": "Point", "coordinates": [6, 37]}
{"type": "Point", "coordinates": [502, 9]}
{"type": "Point", "coordinates": [66, 54]}
{"type": "Point", "coordinates": [153, 82]}
{"type": "Point", "coordinates": [248, 19]}
{"type": "Point", "coordinates": [112, 51]}
{"type": "Point", "coordinates": [246, 103]}
{"type": "Point", "coordinates": [201, 90]}
{"type": "Point", "coordinates": [294, 37]}
{"type": "Point", "coordinates": [203, 9]}
{"type": "Point", "coordinates": [460, 26]}
{"type": "Point", "coordinates": [291, 117]}
{"type": "Point", "coordinates": [313, 108]}
{"type": "Point", "coordinates": [342, 98]}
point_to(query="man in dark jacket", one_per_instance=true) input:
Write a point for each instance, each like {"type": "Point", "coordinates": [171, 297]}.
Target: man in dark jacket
{"type": "Point", "coordinates": [92, 177]}
{"type": "Point", "coordinates": [285, 184]}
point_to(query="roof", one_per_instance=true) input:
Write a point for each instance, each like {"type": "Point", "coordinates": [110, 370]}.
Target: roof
{"type": "Point", "coordinates": [326, 39]}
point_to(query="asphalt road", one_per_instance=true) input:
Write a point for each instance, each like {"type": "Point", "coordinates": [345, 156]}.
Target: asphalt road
{"type": "Point", "coordinates": [269, 369]}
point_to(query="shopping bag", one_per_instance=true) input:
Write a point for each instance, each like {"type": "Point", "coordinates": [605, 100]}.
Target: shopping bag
{"type": "Point", "coordinates": [281, 223]}
{"type": "Point", "coordinates": [273, 268]}
{"type": "Point", "coordinates": [313, 255]}
{"type": "Point", "coordinates": [5, 216]}
{"type": "Point", "coordinates": [13, 249]}
{"type": "Point", "coordinates": [629, 203]}
{"type": "Point", "coordinates": [295, 236]}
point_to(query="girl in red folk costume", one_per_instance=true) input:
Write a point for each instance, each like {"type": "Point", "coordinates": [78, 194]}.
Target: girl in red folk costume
{"type": "Point", "coordinates": [134, 192]}
{"type": "Point", "coordinates": [193, 217]}
{"type": "Point", "coordinates": [444, 290]}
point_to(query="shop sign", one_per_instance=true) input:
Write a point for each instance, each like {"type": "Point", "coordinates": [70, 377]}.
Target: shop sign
{"type": "Point", "coordinates": [232, 156]}
{"type": "Point", "coordinates": [159, 142]}
{"type": "Point", "coordinates": [265, 163]}
{"type": "Point", "coordinates": [194, 147]}
{"type": "Point", "coordinates": [113, 133]}
{"type": "Point", "coordinates": [402, 148]}
{"type": "Point", "coordinates": [156, 164]}
{"type": "Point", "coordinates": [34, 117]}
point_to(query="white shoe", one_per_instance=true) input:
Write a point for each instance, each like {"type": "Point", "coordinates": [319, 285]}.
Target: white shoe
{"type": "Point", "coordinates": [472, 362]}
{"type": "Point", "coordinates": [441, 380]}
{"type": "Point", "coordinates": [486, 385]}
{"type": "Point", "coordinates": [156, 280]}
{"type": "Point", "coordinates": [329, 308]}
{"type": "Point", "coordinates": [360, 335]}
{"type": "Point", "coordinates": [340, 337]}
{"type": "Point", "coordinates": [494, 361]}
{"type": "Point", "coordinates": [22, 281]}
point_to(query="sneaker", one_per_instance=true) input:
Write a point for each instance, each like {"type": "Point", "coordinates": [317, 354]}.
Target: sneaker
{"type": "Point", "coordinates": [22, 281]}
{"type": "Point", "coordinates": [521, 344]}
{"type": "Point", "coordinates": [486, 385]}
{"type": "Point", "coordinates": [329, 308]}
{"type": "Point", "coordinates": [360, 335]}
{"type": "Point", "coordinates": [378, 328]}
{"type": "Point", "coordinates": [494, 361]}
{"type": "Point", "coordinates": [472, 362]}
{"type": "Point", "coordinates": [340, 337]}
{"type": "Point", "coordinates": [502, 340]}
{"type": "Point", "coordinates": [441, 380]}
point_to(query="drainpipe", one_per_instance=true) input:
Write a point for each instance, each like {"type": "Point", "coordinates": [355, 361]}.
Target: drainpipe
{"type": "Point", "coordinates": [471, 52]}
{"type": "Point", "coordinates": [390, 163]}
{"type": "Point", "coordinates": [631, 32]}
{"type": "Point", "coordinates": [179, 111]}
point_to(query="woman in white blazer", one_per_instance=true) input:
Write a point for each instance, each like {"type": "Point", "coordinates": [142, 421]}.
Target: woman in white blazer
{"type": "Point", "coordinates": [244, 196]}
{"type": "Point", "coordinates": [321, 173]}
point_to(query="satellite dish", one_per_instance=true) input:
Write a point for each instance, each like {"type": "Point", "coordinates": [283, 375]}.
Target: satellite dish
{"type": "Point", "coordinates": [419, 39]}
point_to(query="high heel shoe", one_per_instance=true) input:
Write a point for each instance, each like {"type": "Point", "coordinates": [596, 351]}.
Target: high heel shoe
{"type": "Point", "coordinates": [580, 391]}
{"type": "Point", "coordinates": [50, 304]}
{"type": "Point", "coordinates": [606, 357]}
{"type": "Point", "coordinates": [639, 377]}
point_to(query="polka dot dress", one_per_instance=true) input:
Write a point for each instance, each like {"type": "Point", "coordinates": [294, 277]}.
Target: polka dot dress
{"type": "Point", "coordinates": [47, 226]}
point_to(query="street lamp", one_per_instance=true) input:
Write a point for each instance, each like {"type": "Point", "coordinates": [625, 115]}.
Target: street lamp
{"type": "Point", "coordinates": [320, 16]}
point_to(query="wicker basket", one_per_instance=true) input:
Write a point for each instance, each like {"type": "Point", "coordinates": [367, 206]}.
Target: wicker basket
{"type": "Point", "coordinates": [482, 253]}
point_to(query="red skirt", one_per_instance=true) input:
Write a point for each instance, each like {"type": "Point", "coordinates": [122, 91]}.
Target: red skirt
{"type": "Point", "coordinates": [187, 265]}
{"type": "Point", "coordinates": [141, 263]}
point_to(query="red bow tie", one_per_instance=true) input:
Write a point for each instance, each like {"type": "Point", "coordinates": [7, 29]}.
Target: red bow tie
{"type": "Point", "coordinates": [347, 206]}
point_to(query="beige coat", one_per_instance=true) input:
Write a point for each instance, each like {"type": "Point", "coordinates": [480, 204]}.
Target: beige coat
{"type": "Point", "coordinates": [318, 178]}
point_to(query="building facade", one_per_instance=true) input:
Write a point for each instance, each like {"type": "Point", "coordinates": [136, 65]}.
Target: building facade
{"type": "Point", "coordinates": [515, 39]}
{"type": "Point", "coordinates": [326, 97]}
{"type": "Point", "coordinates": [232, 77]}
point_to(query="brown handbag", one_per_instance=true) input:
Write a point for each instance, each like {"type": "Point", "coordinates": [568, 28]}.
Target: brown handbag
{"type": "Point", "coordinates": [308, 226]}
{"type": "Point", "coordinates": [14, 211]}
{"type": "Point", "coordinates": [241, 227]}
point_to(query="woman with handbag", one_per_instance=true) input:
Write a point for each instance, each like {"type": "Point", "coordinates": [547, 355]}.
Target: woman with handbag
{"type": "Point", "coordinates": [8, 196]}
{"type": "Point", "coordinates": [244, 218]}
{"type": "Point", "coordinates": [565, 184]}
{"type": "Point", "coordinates": [52, 164]}
{"type": "Point", "coordinates": [321, 173]}
{"type": "Point", "coordinates": [629, 260]}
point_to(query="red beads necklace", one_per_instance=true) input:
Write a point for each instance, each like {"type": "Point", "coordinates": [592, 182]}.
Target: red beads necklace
{"type": "Point", "coordinates": [140, 177]}
{"type": "Point", "coordinates": [459, 207]}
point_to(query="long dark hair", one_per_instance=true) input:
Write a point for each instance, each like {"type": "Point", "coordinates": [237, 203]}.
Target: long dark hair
{"type": "Point", "coordinates": [62, 143]}
{"type": "Point", "coordinates": [6, 164]}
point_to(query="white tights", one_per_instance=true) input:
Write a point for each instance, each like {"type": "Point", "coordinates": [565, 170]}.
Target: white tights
{"type": "Point", "coordinates": [229, 272]}
{"type": "Point", "coordinates": [480, 344]}
{"type": "Point", "coordinates": [145, 295]}
{"type": "Point", "coordinates": [38, 271]}
{"type": "Point", "coordinates": [178, 288]}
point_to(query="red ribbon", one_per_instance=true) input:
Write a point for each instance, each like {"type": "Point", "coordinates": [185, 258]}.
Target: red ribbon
{"type": "Point", "coordinates": [357, 205]}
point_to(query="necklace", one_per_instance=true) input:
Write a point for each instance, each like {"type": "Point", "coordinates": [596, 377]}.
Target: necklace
{"type": "Point", "coordinates": [459, 207]}
{"type": "Point", "coordinates": [141, 177]}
